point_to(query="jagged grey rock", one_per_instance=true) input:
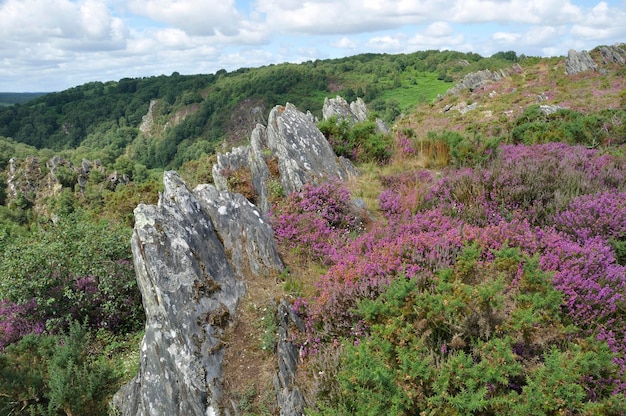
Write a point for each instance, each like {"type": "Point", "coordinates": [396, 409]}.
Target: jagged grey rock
{"type": "Point", "coordinates": [246, 234]}
{"type": "Point", "coordinates": [340, 108]}
{"type": "Point", "coordinates": [192, 251]}
{"type": "Point", "coordinates": [292, 141]}
{"type": "Point", "coordinates": [474, 80]}
{"type": "Point", "coordinates": [290, 400]}
{"type": "Point", "coordinates": [354, 112]}
{"type": "Point", "coordinates": [304, 155]}
{"type": "Point", "coordinates": [577, 62]}
{"type": "Point", "coordinates": [190, 292]}
{"type": "Point", "coordinates": [613, 54]}
{"type": "Point", "coordinates": [549, 109]}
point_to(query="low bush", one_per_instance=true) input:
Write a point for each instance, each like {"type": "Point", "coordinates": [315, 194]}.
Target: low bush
{"type": "Point", "coordinates": [358, 142]}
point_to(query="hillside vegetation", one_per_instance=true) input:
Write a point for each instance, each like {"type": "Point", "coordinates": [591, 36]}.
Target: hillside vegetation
{"type": "Point", "coordinates": [488, 279]}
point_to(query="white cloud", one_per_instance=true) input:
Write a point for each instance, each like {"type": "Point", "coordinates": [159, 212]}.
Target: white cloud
{"type": "Point", "coordinates": [46, 20]}
{"type": "Point", "coordinates": [602, 22]}
{"type": "Point", "coordinates": [438, 29]}
{"type": "Point", "coordinates": [195, 17]}
{"type": "Point", "coordinates": [389, 44]}
{"type": "Point", "coordinates": [344, 43]}
{"type": "Point", "coordinates": [521, 11]}
{"type": "Point", "coordinates": [349, 16]}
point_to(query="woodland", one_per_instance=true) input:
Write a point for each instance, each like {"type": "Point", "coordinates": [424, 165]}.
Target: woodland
{"type": "Point", "coordinates": [488, 277]}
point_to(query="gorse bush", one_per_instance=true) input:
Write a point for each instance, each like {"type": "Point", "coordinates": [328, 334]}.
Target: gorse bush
{"type": "Point", "coordinates": [568, 126]}
{"type": "Point", "coordinates": [55, 375]}
{"type": "Point", "coordinates": [448, 147]}
{"type": "Point", "coordinates": [448, 345]}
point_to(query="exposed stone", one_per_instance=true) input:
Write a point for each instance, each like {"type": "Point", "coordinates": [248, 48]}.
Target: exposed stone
{"type": "Point", "coordinates": [354, 112]}
{"type": "Point", "coordinates": [147, 121]}
{"type": "Point", "coordinates": [468, 108]}
{"type": "Point", "coordinates": [290, 399]}
{"type": "Point", "coordinates": [577, 62]}
{"type": "Point", "coordinates": [613, 54]}
{"type": "Point", "coordinates": [549, 109]}
{"type": "Point", "coordinates": [474, 80]}
{"type": "Point", "coordinates": [292, 141]}
{"type": "Point", "coordinates": [246, 234]}
{"type": "Point", "coordinates": [304, 154]}
{"type": "Point", "coordinates": [190, 293]}
{"type": "Point", "coordinates": [340, 108]}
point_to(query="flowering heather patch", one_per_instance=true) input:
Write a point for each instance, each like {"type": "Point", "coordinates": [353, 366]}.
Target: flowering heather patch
{"type": "Point", "coordinates": [404, 192]}
{"type": "Point", "coordinates": [17, 321]}
{"type": "Point", "coordinates": [423, 244]}
{"type": "Point", "coordinates": [317, 220]}
{"type": "Point", "coordinates": [594, 289]}
{"type": "Point", "coordinates": [533, 182]}
{"type": "Point", "coordinates": [595, 215]}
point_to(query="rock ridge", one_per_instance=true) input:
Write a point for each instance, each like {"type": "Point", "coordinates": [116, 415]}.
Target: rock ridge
{"type": "Point", "coordinates": [193, 251]}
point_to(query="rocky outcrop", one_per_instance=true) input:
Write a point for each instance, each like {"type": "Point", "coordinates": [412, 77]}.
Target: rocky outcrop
{"type": "Point", "coordinates": [34, 180]}
{"type": "Point", "coordinates": [613, 54]}
{"type": "Point", "coordinates": [288, 153]}
{"type": "Point", "coordinates": [191, 252]}
{"type": "Point", "coordinates": [577, 62]}
{"type": "Point", "coordinates": [147, 121]}
{"type": "Point", "coordinates": [339, 107]}
{"type": "Point", "coordinates": [354, 112]}
{"type": "Point", "coordinates": [474, 80]}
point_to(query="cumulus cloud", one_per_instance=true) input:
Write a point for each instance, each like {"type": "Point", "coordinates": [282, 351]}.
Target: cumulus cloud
{"type": "Point", "coordinates": [344, 43]}
{"type": "Point", "coordinates": [601, 22]}
{"type": "Point", "coordinates": [520, 11]}
{"type": "Point", "coordinates": [195, 17]}
{"type": "Point", "coordinates": [345, 17]}
{"type": "Point", "coordinates": [118, 38]}
{"type": "Point", "coordinates": [31, 21]}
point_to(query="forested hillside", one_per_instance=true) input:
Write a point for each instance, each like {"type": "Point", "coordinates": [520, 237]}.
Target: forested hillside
{"type": "Point", "coordinates": [194, 114]}
{"type": "Point", "coordinates": [488, 276]}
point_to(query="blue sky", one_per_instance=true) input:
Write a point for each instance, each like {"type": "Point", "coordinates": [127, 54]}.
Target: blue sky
{"type": "Point", "coordinates": [51, 45]}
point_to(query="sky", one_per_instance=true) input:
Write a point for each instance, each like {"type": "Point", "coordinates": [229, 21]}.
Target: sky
{"type": "Point", "coordinates": [52, 45]}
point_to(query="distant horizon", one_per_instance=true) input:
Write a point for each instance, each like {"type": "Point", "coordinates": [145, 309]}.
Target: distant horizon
{"type": "Point", "coordinates": [53, 45]}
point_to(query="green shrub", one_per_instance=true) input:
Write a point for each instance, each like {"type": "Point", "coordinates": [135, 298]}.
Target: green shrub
{"type": "Point", "coordinates": [358, 142]}
{"type": "Point", "coordinates": [55, 375]}
{"type": "Point", "coordinates": [478, 338]}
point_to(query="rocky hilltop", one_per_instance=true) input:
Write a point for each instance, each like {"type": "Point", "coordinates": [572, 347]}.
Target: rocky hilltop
{"type": "Point", "coordinates": [193, 254]}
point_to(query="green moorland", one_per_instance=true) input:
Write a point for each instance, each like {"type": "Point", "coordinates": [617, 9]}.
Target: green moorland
{"type": "Point", "coordinates": [473, 316]}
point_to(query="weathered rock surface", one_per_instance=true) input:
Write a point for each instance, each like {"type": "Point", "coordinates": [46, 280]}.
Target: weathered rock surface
{"type": "Point", "coordinates": [193, 252]}
{"type": "Point", "coordinates": [577, 62]}
{"type": "Point", "coordinates": [190, 294]}
{"type": "Point", "coordinates": [35, 179]}
{"type": "Point", "coordinates": [354, 112]}
{"type": "Point", "coordinates": [295, 147]}
{"type": "Point", "coordinates": [290, 400]}
{"type": "Point", "coordinates": [474, 80]}
{"type": "Point", "coordinates": [304, 155]}
{"type": "Point", "coordinates": [246, 234]}
{"type": "Point", "coordinates": [613, 54]}
{"type": "Point", "coordinates": [339, 107]}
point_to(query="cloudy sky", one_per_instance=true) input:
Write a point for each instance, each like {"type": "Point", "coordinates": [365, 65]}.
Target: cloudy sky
{"type": "Point", "coordinates": [51, 45]}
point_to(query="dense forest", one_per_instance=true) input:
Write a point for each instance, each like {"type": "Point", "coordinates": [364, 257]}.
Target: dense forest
{"type": "Point", "coordinates": [493, 261]}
